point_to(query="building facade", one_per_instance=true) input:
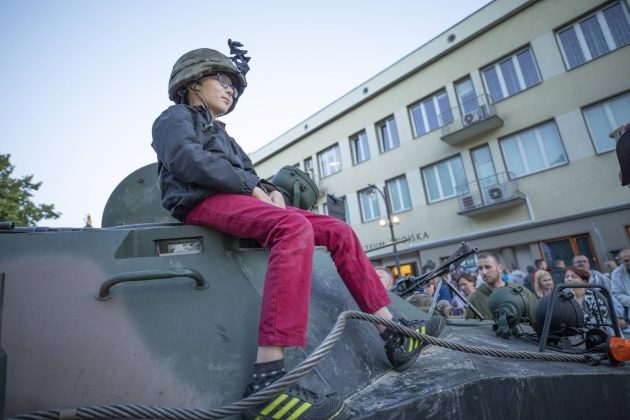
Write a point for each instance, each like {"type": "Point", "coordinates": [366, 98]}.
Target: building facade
{"type": "Point", "coordinates": [495, 132]}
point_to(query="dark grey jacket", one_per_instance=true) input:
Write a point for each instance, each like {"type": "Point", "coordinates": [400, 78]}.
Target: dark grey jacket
{"type": "Point", "coordinates": [194, 164]}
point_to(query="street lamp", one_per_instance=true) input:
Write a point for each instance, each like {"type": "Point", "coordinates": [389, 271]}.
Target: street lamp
{"type": "Point", "coordinates": [391, 220]}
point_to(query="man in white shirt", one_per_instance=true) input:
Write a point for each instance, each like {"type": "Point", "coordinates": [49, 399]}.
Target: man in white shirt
{"type": "Point", "coordinates": [620, 280]}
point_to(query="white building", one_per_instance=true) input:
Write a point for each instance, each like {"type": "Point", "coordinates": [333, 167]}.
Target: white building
{"type": "Point", "coordinates": [495, 132]}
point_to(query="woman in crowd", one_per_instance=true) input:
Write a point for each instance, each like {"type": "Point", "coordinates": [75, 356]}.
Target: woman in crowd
{"type": "Point", "coordinates": [466, 284]}
{"type": "Point", "coordinates": [543, 283]}
{"type": "Point", "coordinates": [455, 308]}
{"type": "Point", "coordinates": [592, 302]}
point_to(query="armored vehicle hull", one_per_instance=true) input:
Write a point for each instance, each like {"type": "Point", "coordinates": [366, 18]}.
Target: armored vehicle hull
{"type": "Point", "coordinates": [165, 342]}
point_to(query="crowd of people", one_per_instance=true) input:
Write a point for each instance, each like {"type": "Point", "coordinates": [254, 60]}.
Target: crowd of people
{"type": "Point", "coordinates": [539, 280]}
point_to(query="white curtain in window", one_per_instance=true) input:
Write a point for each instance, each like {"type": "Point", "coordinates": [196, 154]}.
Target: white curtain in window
{"type": "Point", "coordinates": [618, 25]}
{"type": "Point", "coordinates": [572, 50]}
{"type": "Point", "coordinates": [594, 37]}
{"type": "Point", "coordinates": [369, 205]}
{"type": "Point", "coordinates": [534, 150]}
{"type": "Point", "coordinates": [604, 117]}
{"type": "Point", "coordinates": [399, 194]}
{"type": "Point", "coordinates": [445, 179]}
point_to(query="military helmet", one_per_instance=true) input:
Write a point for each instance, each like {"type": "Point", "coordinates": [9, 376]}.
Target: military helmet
{"type": "Point", "coordinates": [296, 187]}
{"type": "Point", "coordinates": [567, 317]}
{"type": "Point", "coordinates": [200, 62]}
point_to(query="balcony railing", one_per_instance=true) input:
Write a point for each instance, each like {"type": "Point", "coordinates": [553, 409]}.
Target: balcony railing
{"type": "Point", "coordinates": [477, 116]}
{"type": "Point", "coordinates": [490, 193]}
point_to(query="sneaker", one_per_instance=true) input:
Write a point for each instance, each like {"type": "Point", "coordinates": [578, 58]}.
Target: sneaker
{"type": "Point", "coordinates": [298, 402]}
{"type": "Point", "coordinates": [401, 350]}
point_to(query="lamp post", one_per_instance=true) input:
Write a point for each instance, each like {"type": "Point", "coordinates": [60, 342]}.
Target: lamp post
{"type": "Point", "coordinates": [391, 220]}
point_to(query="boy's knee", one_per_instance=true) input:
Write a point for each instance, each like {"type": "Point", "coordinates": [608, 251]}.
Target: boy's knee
{"type": "Point", "coordinates": [299, 223]}
{"type": "Point", "coordinates": [341, 227]}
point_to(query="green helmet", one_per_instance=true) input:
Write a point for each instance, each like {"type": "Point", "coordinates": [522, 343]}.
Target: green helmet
{"type": "Point", "coordinates": [197, 63]}
{"type": "Point", "coordinates": [297, 187]}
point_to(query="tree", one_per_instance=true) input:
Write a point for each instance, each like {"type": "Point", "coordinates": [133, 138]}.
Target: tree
{"type": "Point", "coordinates": [15, 197]}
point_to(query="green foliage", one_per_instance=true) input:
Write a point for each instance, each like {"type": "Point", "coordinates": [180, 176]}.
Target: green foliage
{"type": "Point", "coordinates": [15, 198]}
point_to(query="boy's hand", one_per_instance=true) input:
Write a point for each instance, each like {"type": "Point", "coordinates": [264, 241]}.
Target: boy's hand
{"type": "Point", "coordinates": [277, 199]}
{"type": "Point", "coordinates": [258, 193]}
{"type": "Point", "coordinates": [271, 198]}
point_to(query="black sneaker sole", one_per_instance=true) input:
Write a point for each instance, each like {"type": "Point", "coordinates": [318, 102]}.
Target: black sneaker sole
{"type": "Point", "coordinates": [407, 364]}
{"type": "Point", "coordinates": [344, 412]}
{"type": "Point", "coordinates": [436, 325]}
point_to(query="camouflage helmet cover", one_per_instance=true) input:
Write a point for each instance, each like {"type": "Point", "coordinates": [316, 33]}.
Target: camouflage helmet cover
{"type": "Point", "coordinates": [197, 63]}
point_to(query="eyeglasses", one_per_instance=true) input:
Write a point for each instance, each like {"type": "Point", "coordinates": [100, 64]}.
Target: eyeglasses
{"type": "Point", "coordinates": [580, 261]}
{"type": "Point", "coordinates": [225, 82]}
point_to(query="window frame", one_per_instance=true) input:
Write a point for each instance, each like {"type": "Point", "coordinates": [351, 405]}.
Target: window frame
{"type": "Point", "coordinates": [322, 173]}
{"type": "Point", "coordinates": [574, 241]}
{"type": "Point", "coordinates": [513, 58]}
{"type": "Point", "coordinates": [354, 140]}
{"type": "Point", "coordinates": [420, 105]}
{"type": "Point", "coordinates": [598, 13]}
{"type": "Point", "coordinates": [463, 105]}
{"type": "Point", "coordinates": [476, 165]}
{"type": "Point", "coordinates": [385, 123]}
{"type": "Point", "coordinates": [588, 124]}
{"type": "Point", "coordinates": [456, 187]}
{"type": "Point", "coordinates": [310, 171]}
{"type": "Point", "coordinates": [374, 204]}
{"type": "Point", "coordinates": [345, 208]}
{"type": "Point", "coordinates": [519, 132]}
{"type": "Point", "coordinates": [400, 194]}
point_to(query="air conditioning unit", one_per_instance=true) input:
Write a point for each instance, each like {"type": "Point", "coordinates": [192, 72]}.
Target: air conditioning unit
{"type": "Point", "coordinates": [469, 201]}
{"type": "Point", "coordinates": [498, 193]}
{"type": "Point", "coordinates": [471, 118]}
{"type": "Point", "coordinates": [481, 113]}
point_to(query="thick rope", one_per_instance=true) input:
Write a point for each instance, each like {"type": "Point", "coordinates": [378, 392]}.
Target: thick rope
{"type": "Point", "coordinates": [143, 412]}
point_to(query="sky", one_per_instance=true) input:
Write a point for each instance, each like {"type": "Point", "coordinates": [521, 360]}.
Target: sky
{"type": "Point", "coordinates": [83, 81]}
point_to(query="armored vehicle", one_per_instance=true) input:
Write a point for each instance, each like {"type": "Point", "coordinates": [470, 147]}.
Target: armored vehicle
{"type": "Point", "coordinates": [148, 318]}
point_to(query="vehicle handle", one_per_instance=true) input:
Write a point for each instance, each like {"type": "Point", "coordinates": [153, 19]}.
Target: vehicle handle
{"type": "Point", "coordinates": [103, 292]}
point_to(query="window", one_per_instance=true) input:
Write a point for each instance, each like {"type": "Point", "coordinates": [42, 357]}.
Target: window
{"type": "Point", "coordinates": [466, 96]}
{"type": "Point", "coordinates": [565, 248]}
{"type": "Point", "coordinates": [533, 150]}
{"type": "Point", "coordinates": [399, 198]}
{"type": "Point", "coordinates": [595, 35]}
{"type": "Point", "coordinates": [604, 117]}
{"type": "Point", "coordinates": [308, 167]}
{"type": "Point", "coordinates": [408, 269]}
{"type": "Point", "coordinates": [484, 165]}
{"type": "Point", "coordinates": [329, 161]}
{"type": "Point", "coordinates": [445, 179]}
{"type": "Point", "coordinates": [387, 134]}
{"type": "Point", "coordinates": [369, 205]}
{"type": "Point", "coordinates": [431, 113]}
{"type": "Point", "coordinates": [336, 207]}
{"type": "Point", "coordinates": [360, 149]}
{"type": "Point", "coordinates": [511, 75]}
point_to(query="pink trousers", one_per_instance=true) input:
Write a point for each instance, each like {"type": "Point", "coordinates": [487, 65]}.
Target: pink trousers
{"type": "Point", "coordinates": [291, 234]}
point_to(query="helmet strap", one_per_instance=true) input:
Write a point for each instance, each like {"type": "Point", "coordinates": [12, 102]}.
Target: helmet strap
{"type": "Point", "coordinates": [208, 113]}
